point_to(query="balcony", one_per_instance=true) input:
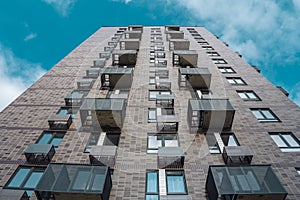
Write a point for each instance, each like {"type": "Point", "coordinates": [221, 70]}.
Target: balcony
{"type": "Point", "coordinates": [116, 78]}
{"type": "Point", "coordinates": [237, 155]}
{"type": "Point", "coordinates": [85, 84]}
{"type": "Point", "coordinates": [179, 44]}
{"type": "Point", "coordinates": [103, 155]}
{"type": "Point", "coordinates": [167, 123]}
{"type": "Point", "coordinates": [162, 84]}
{"type": "Point", "coordinates": [159, 72]}
{"type": "Point", "coordinates": [99, 63]}
{"type": "Point", "coordinates": [257, 182]}
{"type": "Point", "coordinates": [174, 35]}
{"type": "Point", "coordinates": [133, 35]}
{"type": "Point", "coordinates": [170, 157]}
{"type": "Point", "coordinates": [135, 28]}
{"type": "Point", "coordinates": [39, 153]}
{"type": "Point", "coordinates": [93, 73]}
{"type": "Point", "coordinates": [74, 181]}
{"type": "Point", "coordinates": [103, 114]}
{"type": "Point", "coordinates": [124, 57]}
{"type": "Point", "coordinates": [129, 44]}
{"type": "Point", "coordinates": [165, 100]}
{"type": "Point", "coordinates": [74, 99]}
{"type": "Point", "coordinates": [104, 55]}
{"type": "Point", "coordinates": [60, 122]}
{"type": "Point", "coordinates": [172, 28]}
{"type": "Point", "coordinates": [184, 58]}
{"type": "Point", "coordinates": [195, 78]}
{"type": "Point", "coordinates": [213, 114]}
{"type": "Point", "coordinates": [8, 194]}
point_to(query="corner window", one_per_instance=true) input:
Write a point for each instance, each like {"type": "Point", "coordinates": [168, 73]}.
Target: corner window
{"type": "Point", "coordinates": [175, 182]}
{"type": "Point", "coordinates": [25, 178]}
{"type": "Point", "coordinates": [287, 142]}
{"type": "Point", "coordinates": [156, 141]}
{"type": "Point", "coordinates": [264, 115]}
{"type": "Point", "coordinates": [53, 138]}
{"type": "Point", "coordinates": [152, 188]}
{"type": "Point", "coordinates": [226, 70]}
{"type": "Point", "coordinates": [219, 61]}
{"type": "Point", "coordinates": [236, 81]}
{"type": "Point", "coordinates": [248, 95]}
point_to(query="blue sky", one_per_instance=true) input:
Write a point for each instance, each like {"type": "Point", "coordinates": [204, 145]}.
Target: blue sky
{"type": "Point", "coordinates": [36, 34]}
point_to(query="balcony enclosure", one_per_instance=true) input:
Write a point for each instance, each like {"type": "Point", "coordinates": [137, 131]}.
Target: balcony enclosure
{"type": "Point", "coordinates": [133, 35]}
{"type": "Point", "coordinates": [257, 182]}
{"type": "Point", "coordinates": [60, 122]}
{"type": "Point", "coordinates": [103, 155]}
{"type": "Point", "coordinates": [85, 84]}
{"type": "Point", "coordinates": [165, 100]}
{"type": "Point", "coordinates": [103, 114]}
{"type": "Point", "coordinates": [129, 44]}
{"type": "Point", "coordinates": [212, 114]}
{"type": "Point", "coordinates": [172, 28]}
{"type": "Point", "coordinates": [104, 55]}
{"type": "Point", "coordinates": [74, 181]}
{"type": "Point", "coordinates": [108, 49]}
{"type": "Point", "coordinates": [135, 28]}
{"type": "Point", "coordinates": [159, 72]}
{"type": "Point", "coordinates": [194, 78]}
{"type": "Point", "coordinates": [237, 155]}
{"type": "Point", "coordinates": [162, 84]}
{"type": "Point", "coordinates": [170, 157]}
{"type": "Point", "coordinates": [174, 35]}
{"type": "Point", "coordinates": [74, 99]}
{"type": "Point", "coordinates": [167, 123]}
{"type": "Point", "coordinates": [116, 78]}
{"type": "Point", "coordinates": [99, 63]}
{"type": "Point", "coordinates": [184, 58]}
{"type": "Point", "coordinates": [124, 57]}
{"type": "Point", "coordinates": [179, 44]}
{"type": "Point", "coordinates": [93, 73]}
{"type": "Point", "coordinates": [39, 153]}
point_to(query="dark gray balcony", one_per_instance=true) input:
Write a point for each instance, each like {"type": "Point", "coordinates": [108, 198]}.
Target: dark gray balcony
{"type": "Point", "coordinates": [165, 100]}
{"type": "Point", "coordinates": [257, 182]}
{"type": "Point", "coordinates": [237, 155]}
{"type": "Point", "coordinates": [213, 114]}
{"type": "Point", "coordinates": [74, 181]}
{"type": "Point", "coordinates": [195, 78]}
{"type": "Point", "coordinates": [116, 78]}
{"type": "Point", "coordinates": [170, 157]}
{"type": "Point", "coordinates": [184, 58]}
{"type": "Point", "coordinates": [103, 155]}
{"type": "Point", "coordinates": [129, 44]}
{"type": "Point", "coordinates": [39, 153]}
{"type": "Point", "coordinates": [99, 63]}
{"type": "Point", "coordinates": [60, 122]}
{"type": "Point", "coordinates": [124, 57]}
{"type": "Point", "coordinates": [179, 44]}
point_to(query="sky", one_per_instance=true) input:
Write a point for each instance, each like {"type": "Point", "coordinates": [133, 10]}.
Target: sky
{"type": "Point", "coordinates": [36, 34]}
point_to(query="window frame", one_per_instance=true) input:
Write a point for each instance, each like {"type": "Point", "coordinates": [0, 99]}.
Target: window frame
{"type": "Point", "coordinates": [163, 139]}
{"type": "Point", "coordinates": [184, 182]}
{"type": "Point", "coordinates": [159, 92]}
{"type": "Point", "coordinates": [217, 61]}
{"type": "Point", "coordinates": [226, 70]}
{"type": "Point", "coordinates": [289, 147]}
{"type": "Point", "coordinates": [54, 134]}
{"type": "Point", "coordinates": [26, 178]}
{"type": "Point", "coordinates": [235, 82]}
{"type": "Point", "coordinates": [246, 93]}
{"type": "Point", "coordinates": [265, 117]}
{"type": "Point", "coordinates": [152, 193]}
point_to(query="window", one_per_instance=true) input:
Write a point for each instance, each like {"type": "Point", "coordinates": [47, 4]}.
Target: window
{"type": "Point", "coordinates": [207, 48]}
{"type": "Point", "coordinates": [151, 114]}
{"type": "Point", "coordinates": [152, 81]}
{"type": "Point", "coordinates": [236, 81]}
{"type": "Point", "coordinates": [153, 93]}
{"type": "Point", "coordinates": [175, 182]}
{"type": "Point", "coordinates": [287, 142]}
{"type": "Point", "coordinates": [202, 42]}
{"type": "Point", "coordinates": [53, 138]}
{"type": "Point", "coordinates": [298, 170]}
{"type": "Point", "coordinates": [212, 53]}
{"type": "Point", "coordinates": [155, 141]}
{"type": "Point", "coordinates": [226, 70]}
{"type": "Point", "coordinates": [66, 110]}
{"type": "Point", "coordinates": [264, 115]}
{"type": "Point", "coordinates": [152, 188]}
{"type": "Point", "coordinates": [25, 178]}
{"type": "Point", "coordinates": [105, 139]}
{"type": "Point", "coordinates": [230, 140]}
{"type": "Point", "coordinates": [219, 61]}
{"type": "Point", "coordinates": [248, 95]}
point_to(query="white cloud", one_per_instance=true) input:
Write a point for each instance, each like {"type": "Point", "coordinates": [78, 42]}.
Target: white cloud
{"type": "Point", "coordinates": [30, 37]}
{"type": "Point", "coordinates": [15, 76]}
{"type": "Point", "coordinates": [63, 7]}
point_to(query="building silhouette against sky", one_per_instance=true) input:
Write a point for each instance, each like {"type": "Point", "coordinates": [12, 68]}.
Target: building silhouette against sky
{"type": "Point", "coordinates": [142, 112]}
